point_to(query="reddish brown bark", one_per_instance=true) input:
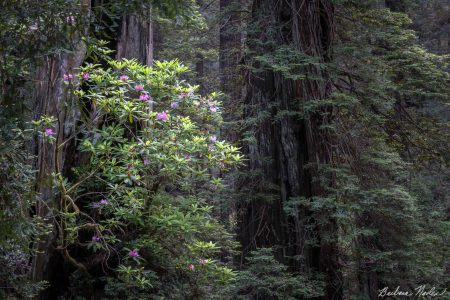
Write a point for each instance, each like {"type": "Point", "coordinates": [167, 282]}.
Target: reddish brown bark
{"type": "Point", "coordinates": [52, 99]}
{"type": "Point", "coordinates": [290, 149]}
{"type": "Point", "coordinates": [136, 39]}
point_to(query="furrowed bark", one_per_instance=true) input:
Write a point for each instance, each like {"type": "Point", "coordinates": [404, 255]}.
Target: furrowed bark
{"type": "Point", "coordinates": [136, 42]}
{"type": "Point", "coordinates": [52, 99]}
{"type": "Point", "coordinates": [290, 149]}
{"type": "Point", "coordinates": [136, 39]}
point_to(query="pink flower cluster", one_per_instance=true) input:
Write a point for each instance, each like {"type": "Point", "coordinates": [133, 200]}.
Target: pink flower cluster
{"type": "Point", "coordinates": [145, 97]}
{"type": "Point", "coordinates": [49, 131]}
{"type": "Point", "coordinates": [70, 20]}
{"type": "Point", "coordinates": [102, 202]}
{"type": "Point", "coordinates": [67, 77]}
{"type": "Point", "coordinates": [162, 116]}
{"type": "Point", "coordinates": [201, 262]}
{"type": "Point", "coordinates": [133, 253]}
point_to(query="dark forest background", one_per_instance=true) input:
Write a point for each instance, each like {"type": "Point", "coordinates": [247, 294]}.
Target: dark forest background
{"type": "Point", "coordinates": [224, 149]}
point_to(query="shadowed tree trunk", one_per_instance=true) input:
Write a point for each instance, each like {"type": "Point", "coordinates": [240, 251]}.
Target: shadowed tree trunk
{"type": "Point", "coordinates": [136, 42]}
{"type": "Point", "coordinates": [290, 144]}
{"type": "Point", "coordinates": [200, 72]}
{"type": "Point", "coordinates": [136, 39]}
{"type": "Point", "coordinates": [52, 99]}
{"type": "Point", "coordinates": [230, 44]}
{"type": "Point", "coordinates": [230, 48]}
{"type": "Point", "coordinates": [396, 5]}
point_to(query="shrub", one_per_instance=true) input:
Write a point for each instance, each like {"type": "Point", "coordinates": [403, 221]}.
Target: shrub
{"type": "Point", "coordinates": [140, 206]}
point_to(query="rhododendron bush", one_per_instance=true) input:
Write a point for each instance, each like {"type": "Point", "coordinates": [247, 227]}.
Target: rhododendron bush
{"type": "Point", "coordinates": [139, 206]}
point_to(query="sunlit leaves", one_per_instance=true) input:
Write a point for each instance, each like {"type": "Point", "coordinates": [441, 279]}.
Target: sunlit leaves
{"type": "Point", "coordinates": [153, 163]}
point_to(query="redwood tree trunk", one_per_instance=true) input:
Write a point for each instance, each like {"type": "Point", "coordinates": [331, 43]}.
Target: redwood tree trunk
{"type": "Point", "coordinates": [136, 39]}
{"type": "Point", "coordinates": [52, 99]}
{"type": "Point", "coordinates": [290, 144]}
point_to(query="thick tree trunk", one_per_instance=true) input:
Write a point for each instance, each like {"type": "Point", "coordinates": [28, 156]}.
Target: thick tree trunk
{"type": "Point", "coordinates": [136, 39]}
{"type": "Point", "coordinates": [290, 144]}
{"type": "Point", "coordinates": [136, 42]}
{"type": "Point", "coordinates": [52, 99]}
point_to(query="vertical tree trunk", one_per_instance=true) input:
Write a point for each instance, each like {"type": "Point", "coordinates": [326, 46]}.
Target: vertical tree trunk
{"type": "Point", "coordinates": [136, 42]}
{"type": "Point", "coordinates": [200, 71]}
{"type": "Point", "coordinates": [52, 99]}
{"type": "Point", "coordinates": [290, 144]}
{"type": "Point", "coordinates": [230, 44]}
{"type": "Point", "coordinates": [229, 54]}
{"type": "Point", "coordinates": [136, 39]}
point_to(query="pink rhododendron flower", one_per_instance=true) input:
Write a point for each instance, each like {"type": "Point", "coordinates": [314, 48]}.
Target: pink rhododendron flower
{"type": "Point", "coordinates": [70, 20]}
{"type": "Point", "coordinates": [95, 238]}
{"type": "Point", "coordinates": [104, 201]}
{"type": "Point", "coordinates": [213, 108]}
{"type": "Point", "coordinates": [191, 267]}
{"type": "Point", "coordinates": [68, 77]}
{"type": "Point", "coordinates": [86, 76]}
{"type": "Point", "coordinates": [162, 116]}
{"type": "Point", "coordinates": [139, 87]}
{"type": "Point", "coordinates": [213, 138]}
{"type": "Point", "coordinates": [174, 105]}
{"type": "Point", "coordinates": [49, 131]}
{"type": "Point", "coordinates": [202, 261]}
{"type": "Point", "coordinates": [146, 162]}
{"type": "Point", "coordinates": [144, 97]}
{"type": "Point", "coordinates": [100, 203]}
{"type": "Point", "coordinates": [123, 77]}
{"type": "Point", "coordinates": [133, 253]}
